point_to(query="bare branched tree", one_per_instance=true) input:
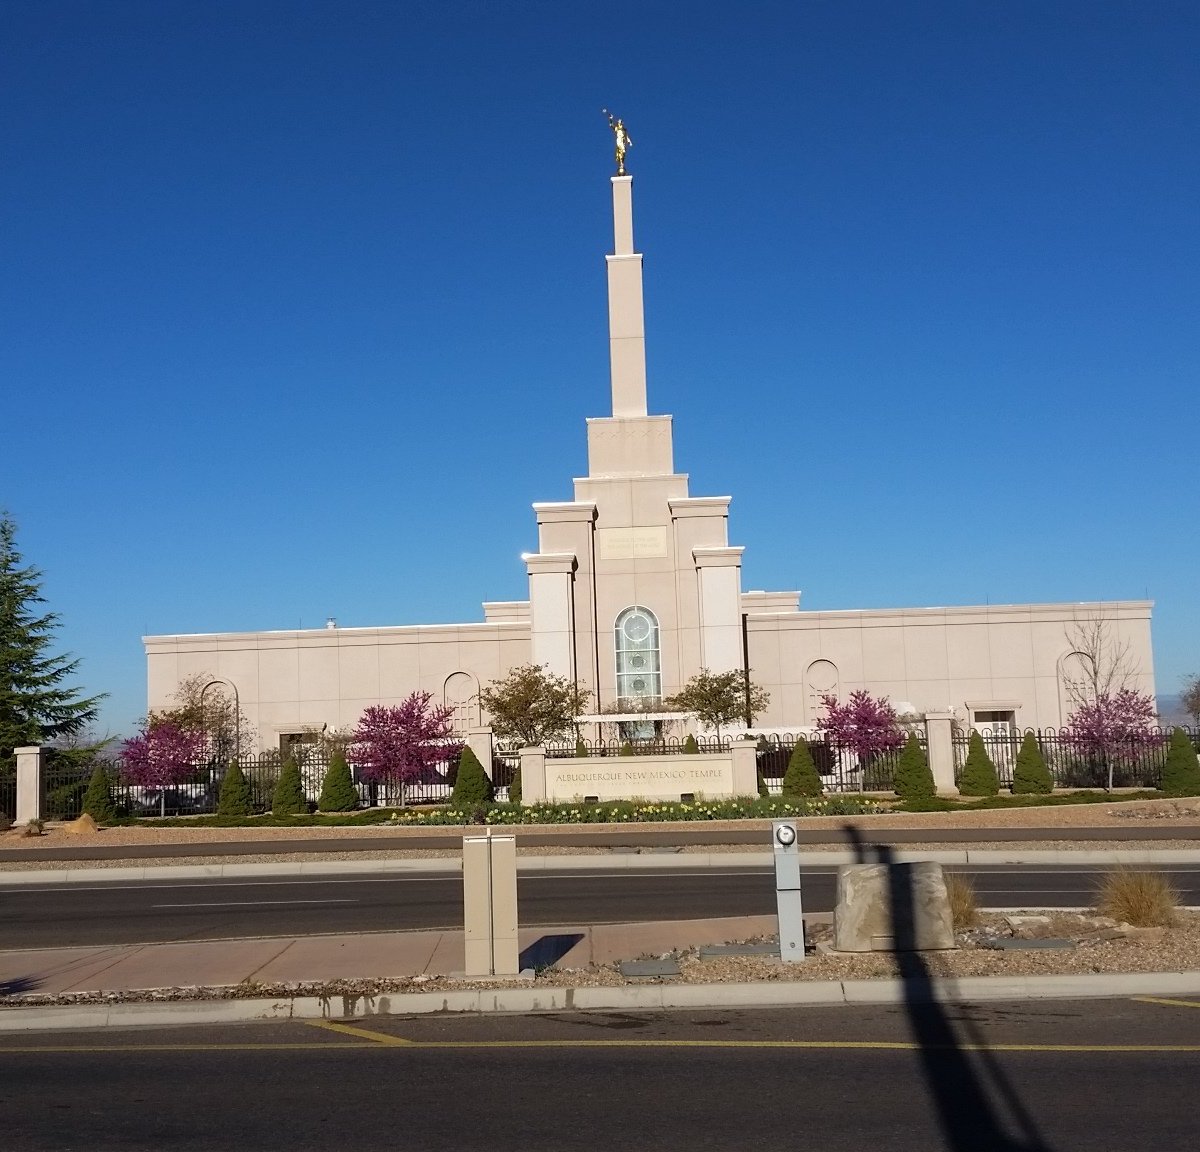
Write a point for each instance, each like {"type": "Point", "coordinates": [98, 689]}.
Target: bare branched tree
{"type": "Point", "coordinates": [1105, 663]}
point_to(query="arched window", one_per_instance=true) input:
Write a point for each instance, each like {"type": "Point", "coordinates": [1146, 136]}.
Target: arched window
{"type": "Point", "coordinates": [462, 695]}
{"type": "Point", "coordinates": [639, 670]}
{"type": "Point", "coordinates": [1076, 681]}
{"type": "Point", "coordinates": [822, 681]}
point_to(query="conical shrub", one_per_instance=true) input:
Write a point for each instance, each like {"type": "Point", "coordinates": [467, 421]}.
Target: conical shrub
{"type": "Point", "coordinates": [236, 797]}
{"type": "Point", "coordinates": [289, 792]}
{"type": "Point", "coordinates": [1181, 773]}
{"type": "Point", "coordinates": [581, 749]}
{"type": "Point", "coordinates": [626, 748]}
{"type": "Point", "coordinates": [801, 778]}
{"type": "Point", "coordinates": [97, 800]}
{"type": "Point", "coordinates": [690, 747]}
{"type": "Point", "coordinates": [473, 786]}
{"type": "Point", "coordinates": [914, 780]}
{"type": "Point", "coordinates": [514, 787]}
{"type": "Point", "coordinates": [979, 773]}
{"type": "Point", "coordinates": [338, 793]}
{"type": "Point", "coordinates": [1030, 774]}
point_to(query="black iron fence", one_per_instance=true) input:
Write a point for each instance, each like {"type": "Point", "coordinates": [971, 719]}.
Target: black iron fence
{"type": "Point", "coordinates": [196, 789]}
{"type": "Point", "coordinates": [1136, 760]}
{"type": "Point", "coordinates": [659, 746]}
{"type": "Point", "coordinates": [8, 789]}
{"type": "Point", "coordinates": [840, 767]}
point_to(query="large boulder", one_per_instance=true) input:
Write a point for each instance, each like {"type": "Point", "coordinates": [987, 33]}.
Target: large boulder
{"type": "Point", "coordinates": [892, 907]}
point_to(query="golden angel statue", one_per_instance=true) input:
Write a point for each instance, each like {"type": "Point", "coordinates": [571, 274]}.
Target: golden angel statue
{"type": "Point", "coordinates": [621, 138]}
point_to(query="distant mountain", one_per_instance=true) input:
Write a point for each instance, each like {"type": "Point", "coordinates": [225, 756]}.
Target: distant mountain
{"type": "Point", "coordinates": [1171, 711]}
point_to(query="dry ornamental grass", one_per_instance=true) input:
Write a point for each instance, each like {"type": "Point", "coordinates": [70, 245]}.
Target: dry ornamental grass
{"type": "Point", "coordinates": [964, 911]}
{"type": "Point", "coordinates": [1143, 899]}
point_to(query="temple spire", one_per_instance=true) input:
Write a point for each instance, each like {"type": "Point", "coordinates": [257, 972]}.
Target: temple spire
{"type": "Point", "coordinates": [626, 325]}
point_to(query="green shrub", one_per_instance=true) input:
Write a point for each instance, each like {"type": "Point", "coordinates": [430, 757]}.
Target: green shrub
{"type": "Point", "coordinates": [338, 793]}
{"type": "Point", "coordinates": [801, 778]}
{"type": "Point", "coordinates": [1030, 775]}
{"type": "Point", "coordinates": [514, 788]}
{"type": "Point", "coordinates": [98, 800]}
{"type": "Point", "coordinates": [690, 747]}
{"type": "Point", "coordinates": [913, 780]}
{"type": "Point", "coordinates": [65, 802]}
{"type": "Point", "coordinates": [1181, 773]}
{"type": "Point", "coordinates": [473, 786]}
{"type": "Point", "coordinates": [236, 798]}
{"type": "Point", "coordinates": [979, 773]}
{"type": "Point", "coordinates": [627, 749]}
{"type": "Point", "coordinates": [581, 749]}
{"type": "Point", "coordinates": [289, 792]}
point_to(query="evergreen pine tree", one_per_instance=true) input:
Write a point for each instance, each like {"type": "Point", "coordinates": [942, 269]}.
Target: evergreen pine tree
{"type": "Point", "coordinates": [514, 788]}
{"type": "Point", "coordinates": [690, 747]}
{"type": "Point", "coordinates": [1030, 774]}
{"type": "Point", "coordinates": [801, 778]}
{"type": "Point", "coordinates": [338, 793]}
{"type": "Point", "coordinates": [914, 780]}
{"type": "Point", "coordinates": [626, 749]}
{"type": "Point", "coordinates": [236, 798]}
{"type": "Point", "coordinates": [581, 749]}
{"type": "Point", "coordinates": [289, 792]}
{"type": "Point", "coordinates": [1181, 773]}
{"type": "Point", "coordinates": [36, 702]}
{"type": "Point", "coordinates": [473, 786]}
{"type": "Point", "coordinates": [98, 801]}
{"type": "Point", "coordinates": [979, 773]}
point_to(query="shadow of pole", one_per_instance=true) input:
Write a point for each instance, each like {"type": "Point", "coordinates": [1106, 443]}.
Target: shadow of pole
{"type": "Point", "coordinates": [968, 1121]}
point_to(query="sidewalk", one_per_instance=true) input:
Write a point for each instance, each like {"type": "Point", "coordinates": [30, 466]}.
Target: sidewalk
{"type": "Point", "coordinates": [310, 959]}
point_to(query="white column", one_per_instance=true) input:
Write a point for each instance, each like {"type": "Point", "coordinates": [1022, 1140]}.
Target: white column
{"type": "Point", "coordinates": [552, 611]}
{"type": "Point", "coordinates": [745, 766]}
{"type": "Point", "coordinates": [939, 748]}
{"type": "Point", "coordinates": [479, 740]}
{"type": "Point", "coordinates": [719, 574]}
{"type": "Point", "coordinates": [626, 319]}
{"type": "Point", "coordinates": [31, 783]}
{"type": "Point", "coordinates": [533, 774]}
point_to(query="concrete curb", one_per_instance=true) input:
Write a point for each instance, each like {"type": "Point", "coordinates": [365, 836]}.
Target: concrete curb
{"type": "Point", "coordinates": [649, 997]}
{"type": "Point", "coordinates": [621, 862]}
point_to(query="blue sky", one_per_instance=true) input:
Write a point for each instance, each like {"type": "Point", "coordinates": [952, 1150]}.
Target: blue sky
{"type": "Point", "coordinates": [303, 303]}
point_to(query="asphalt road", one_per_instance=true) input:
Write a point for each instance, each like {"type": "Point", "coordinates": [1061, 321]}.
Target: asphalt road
{"type": "Point", "coordinates": [147, 912]}
{"type": "Point", "coordinates": [1094, 1076]}
{"type": "Point", "coordinates": [644, 836]}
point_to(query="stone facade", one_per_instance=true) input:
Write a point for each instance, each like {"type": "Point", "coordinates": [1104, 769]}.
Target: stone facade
{"type": "Point", "coordinates": [635, 587]}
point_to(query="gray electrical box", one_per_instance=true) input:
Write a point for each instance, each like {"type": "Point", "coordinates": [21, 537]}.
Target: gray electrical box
{"type": "Point", "coordinates": [787, 891]}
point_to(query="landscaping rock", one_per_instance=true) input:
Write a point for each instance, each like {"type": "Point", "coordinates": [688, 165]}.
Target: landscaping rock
{"type": "Point", "coordinates": [82, 826]}
{"type": "Point", "coordinates": [881, 907]}
{"type": "Point", "coordinates": [1029, 927]}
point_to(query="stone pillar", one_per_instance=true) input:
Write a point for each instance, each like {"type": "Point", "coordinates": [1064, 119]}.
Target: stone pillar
{"type": "Point", "coordinates": [719, 573]}
{"type": "Point", "coordinates": [533, 774]}
{"type": "Point", "coordinates": [626, 318]}
{"type": "Point", "coordinates": [31, 783]}
{"type": "Point", "coordinates": [745, 766]}
{"type": "Point", "coordinates": [552, 611]}
{"type": "Point", "coordinates": [939, 747]}
{"type": "Point", "coordinates": [479, 740]}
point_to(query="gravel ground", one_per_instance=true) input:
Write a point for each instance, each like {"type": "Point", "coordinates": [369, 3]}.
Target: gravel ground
{"type": "Point", "coordinates": [1177, 951]}
{"type": "Point", "coordinates": [1111, 815]}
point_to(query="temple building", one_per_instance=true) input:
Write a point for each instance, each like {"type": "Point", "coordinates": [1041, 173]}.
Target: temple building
{"type": "Point", "coordinates": [635, 587]}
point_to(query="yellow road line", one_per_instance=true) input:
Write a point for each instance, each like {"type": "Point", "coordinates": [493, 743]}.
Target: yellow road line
{"type": "Point", "coordinates": [379, 1040]}
{"type": "Point", "coordinates": [1169, 1003]}
{"type": "Point", "coordinates": [361, 1033]}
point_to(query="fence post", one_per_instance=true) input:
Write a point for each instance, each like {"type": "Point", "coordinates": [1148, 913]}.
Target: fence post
{"type": "Point", "coordinates": [744, 751]}
{"type": "Point", "coordinates": [479, 740]}
{"type": "Point", "coordinates": [533, 774]}
{"type": "Point", "coordinates": [31, 783]}
{"type": "Point", "coordinates": [939, 746]}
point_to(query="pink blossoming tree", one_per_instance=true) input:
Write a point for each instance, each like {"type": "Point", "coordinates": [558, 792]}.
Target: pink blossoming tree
{"type": "Point", "coordinates": [1113, 729]}
{"type": "Point", "coordinates": [404, 743]}
{"type": "Point", "coordinates": [868, 727]}
{"type": "Point", "coordinates": [160, 757]}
